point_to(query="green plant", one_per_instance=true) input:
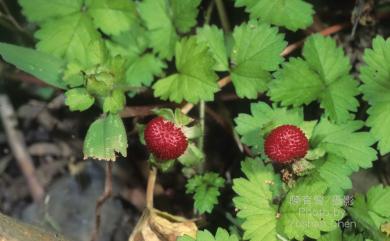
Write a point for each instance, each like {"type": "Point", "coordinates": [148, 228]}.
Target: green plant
{"type": "Point", "coordinates": [102, 52]}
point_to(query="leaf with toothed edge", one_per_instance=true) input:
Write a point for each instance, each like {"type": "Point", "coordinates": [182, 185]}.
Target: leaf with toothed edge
{"type": "Point", "coordinates": [106, 137]}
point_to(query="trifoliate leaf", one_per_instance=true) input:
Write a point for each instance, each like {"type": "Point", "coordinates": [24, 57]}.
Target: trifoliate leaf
{"type": "Point", "coordinates": [335, 172]}
{"type": "Point", "coordinates": [307, 211]}
{"type": "Point", "coordinates": [184, 14]}
{"type": "Point", "coordinates": [41, 10]}
{"type": "Point", "coordinates": [115, 102]}
{"type": "Point", "coordinates": [206, 190]}
{"type": "Point", "coordinates": [112, 16]}
{"type": "Point", "coordinates": [263, 118]}
{"type": "Point", "coordinates": [221, 235]}
{"type": "Point", "coordinates": [105, 137]}
{"type": "Point", "coordinates": [335, 235]}
{"type": "Point", "coordinates": [295, 84]}
{"type": "Point", "coordinates": [343, 140]}
{"type": "Point", "coordinates": [195, 79]}
{"type": "Point", "coordinates": [375, 75]}
{"type": "Point", "coordinates": [254, 200]}
{"type": "Point", "coordinates": [292, 14]}
{"type": "Point", "coordinates": [367, 216]}
{"type": "Point", "coordinates": [324, 76]}
{"type": "Point", "coordinates": [67, 37]}
{"type": "Point", "coordinates": [257, 49]}
{"type": "Point", "coordinates": [41, 65]}
{"type": "Point", "coordinates": [142, 69]}
{"type": "Point", "coordinates": [78, 99]}
{"type": "Point", "coordinates": [214, 39]}
{"type": "Point", "coordinates": [162, 33]}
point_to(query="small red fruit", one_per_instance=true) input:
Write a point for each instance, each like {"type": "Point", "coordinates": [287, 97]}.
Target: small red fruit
{"type": "Point", "coordinates": [286, 144]}
{"type": "Point", "coordinates": [165, 140]}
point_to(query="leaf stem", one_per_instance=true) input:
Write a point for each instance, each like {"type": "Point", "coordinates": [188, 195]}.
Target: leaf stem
{"type": "Point", "coordinates": [102, 199]}
{"type": "Point", "coordinates": [223, 15]}
{"type": "Point", "coordinates": [280, 237]}
{"type": "Point", "coordinates": [202, 113]}
{"type": "Point", "coordinates": [150, 187]}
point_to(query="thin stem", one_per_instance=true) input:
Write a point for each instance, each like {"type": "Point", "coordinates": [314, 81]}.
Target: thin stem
{"type": "Point", "coordinates": [10, 17]}
{"type": "Point", "coordinates": [222, 15]}
{"type": "Point", "coordinates": [202, 114]}
{"type": "Point", "coordinates": [102, 199]}
{"type": "Point", "coordinates": [280, 237]}
{"type": "Point", "coordinates": [150, 187]}
{"type": "Point", "coordinates": [209, 12]}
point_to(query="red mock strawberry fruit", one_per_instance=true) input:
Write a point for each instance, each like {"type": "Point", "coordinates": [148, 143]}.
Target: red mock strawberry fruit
{"type": "Point", "coordinates": [286, 144]}
{"type": "Point", "coordinates": [165, 140]}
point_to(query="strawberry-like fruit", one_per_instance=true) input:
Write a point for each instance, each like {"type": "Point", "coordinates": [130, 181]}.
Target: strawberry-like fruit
{"type": "Point", "coordinates": [165, 140]}
{"type": "Point", "coordinates": [286, 144]}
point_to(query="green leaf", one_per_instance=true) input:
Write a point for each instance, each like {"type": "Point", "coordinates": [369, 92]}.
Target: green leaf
{"type": "Point", "coordinates": [68, 37]}
{"type": "Point", "coordinates": [296, 84]}
{"type": "Point", "coordinates": [333, 67]}
{"type": "Point", "coordinates": [292, 14]}
{"type": "Point", "coordinates": [142, 69]}
{"type": "Point", "coordinates": [112, 16]}
{"type": "Point", "coordinates": [78, 99]}
{"type": "Point", "coordinates": [378, 199]}
{"type": "Point", "coordinates": [335, 235]}
{"type": "Point", "coordinates": [221, 235]}
{"type": "Point", "coordinates": [307, 211]}
{"type": "Point", "coordinates": [41, 10]}
{"type": "Point", "coordinates": [213, 37]}
{"type": "Point", "coordinates": [105, 137]}
{"type": "Point", "coordinates": [343, 140]}
{"type": "Point", "coordinates": [326, 79]}
{"type": "Point", "coordinates": [115, 102]}
{"type": "Point", "coordinates": [375, 75]}
{"type": "Point", "coordinates": [256, 51]}
{"type": "Point", "coordinates": [254, 200]}
{"type": "Point", "coordinates": [206, 189]}
{"type": "Point", "coordinates": [192, 156]}
{"type": "Point", "coordinates": [263, 118]}
{"type": "Point", "coordinates": [162, 33]}
{"type": "Point", "coordinates": [195, 79]}
{"type": "Point", "coordinates": [184, 14]}
{"type": "Point", "coordinates": [335, 171]}
{"type": "Point", "coordinates": [43, 66]}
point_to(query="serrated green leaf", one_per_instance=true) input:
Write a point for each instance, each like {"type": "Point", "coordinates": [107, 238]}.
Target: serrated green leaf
{"type": "Point", "coordinates": [112, 16]}
{"type": "Point", "coordinates": [105, 137]}
{"type": "Point", "coordinates": [142, 69]}
{"type": "Point", "coordinates": [195, 79]}
{"type": "Point", "coordinates": [378, 200]}
{"type": "Point", "coordinates": [41, 65]}
{"type": "Point", "coordinates": [184, 14]}
{"type": "Point", "coordinates": [115, 102]}
{"type": "Point", "coordinates": [67, 37]}
{"type": "Point", "coordinates": [254, 201]}
{"type": "Point", "coordinates": [256, 51]}
{"type": "Point", "coordinates": [343, 140]}
{"type": "Point", "coordinates": [292, 14]}
{"type": "Point", "coordinates": [335, 172]}
{"type": "Point", "coordinates": [133, 42]}
{"type": "Point", "coordinates": [214, 39]}
{"type": "Point", "coordinates": [375, 75]}
{"type": "Point", "coordinates": [263, 118]}
{"type": "Point", "coordinates": [324, 76]}
{"type": "Point", "coordinates": [78, 99]}
{"type": "Point", "coordinates": [162, 33]}
{"type": "Point", "coordinates": [295, 84]}
{"type": "Point", "coordinates": [315, 211]}
{"type": "Point", "coordinates": [221, 235]}
{"type": "Point", "coordinates": [41, 10]}
{"type": "Point", "coordinates": [335, 235]}
{"type": "Point", "coordinates": [206, 190]}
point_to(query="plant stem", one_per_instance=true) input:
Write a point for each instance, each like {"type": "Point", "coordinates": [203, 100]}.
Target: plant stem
{"type": "Point", "coordinates": [209, 12]}
{"type": "Point", "coordinates": [202, 113]}
{"type": "Point", "coordinates": [150, 187]}
{"type": "Point", "coordinates": [222, 15]}
{"type": "Point", "coordinates": [102, 199]}
{"type": "Point", "coordinates": [280, 237]}
{"type": "Point", "coordinates": [10, 17]}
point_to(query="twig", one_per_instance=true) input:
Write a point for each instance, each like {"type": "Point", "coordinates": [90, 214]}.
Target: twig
{"type": "Point", "coordinates": [10, 17]}
{"type": "Point", "coordinates": [19, 150]}
{"type": "Point", "coordinates": [209, 12]}
{"type": "Point", "coordinates": [101, 200]}
{"type": "Point", "coordinates": [150, 187]}
{"type": "Point", "coordinates": [223, 16]}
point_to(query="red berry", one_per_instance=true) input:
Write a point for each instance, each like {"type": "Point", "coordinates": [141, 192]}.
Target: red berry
{"type": "Point", "coordinates": [285, 144]}
{"type": "Point", "coordinates": [165, 140]}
